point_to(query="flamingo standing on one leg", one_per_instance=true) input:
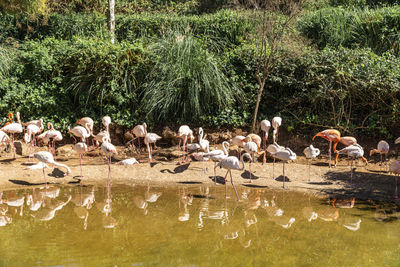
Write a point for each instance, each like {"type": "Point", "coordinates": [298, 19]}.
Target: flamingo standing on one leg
{"type": "Point", "coordinates": [331, 135]}
{"type": "Point", "coordinates": [151, 138]}
{"type": "Point", "coordinates": [53, 135]}
{"type": "Point", "coordinates": [109, 150]}
{"type": "Point", "coordinates": [353, 151]}
{"type": "Point", "coordinates": [232, 163]}
{"type": "Point", "coordinates": [89, 121]}
{"type": "Point", "coordinates": [184, 133]}
{"type": "Point", "coordinates": [81, 148]}
{"type": "Point", "coordinates": [311, 153]}
{"type": "Point", "coordinates": [265, 126]}
{"type": "Point", "coordinates": [395, 168]}
{"type": "Point", "coordinates": [31, 131]}
{"type": "Point", "coordinates": [13, 128]}
{"type": "Point", "coordinates": [217, 155]}
{"type": "Point", "coordinates": [47, 157]}
{"type": "Point", "coordinates": [276, 123]}
{"type": "Point", "coordinates": [284, 155]}
{"type": "Point", "coordinates": [383, 148]}
{"type": "Point", "coordinates": [81, 132]}
{"type": "Point", "coordinates": [238, 141]}
{"type": "Point", "coordinates": [272, 149]}
{"type": "Point", "coordinates": [139, 131]}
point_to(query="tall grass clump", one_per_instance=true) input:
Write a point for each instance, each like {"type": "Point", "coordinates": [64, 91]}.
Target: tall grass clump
{"type": "Point", "coordinates": [7, 56]}
{"type": "Point", "coordinates": [186, 81]}
{"type": "Point", "coordinates": [377, 29]}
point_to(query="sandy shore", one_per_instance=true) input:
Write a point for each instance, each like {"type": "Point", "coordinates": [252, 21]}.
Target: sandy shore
{"type": "Point", "coordinates": [368, 181]}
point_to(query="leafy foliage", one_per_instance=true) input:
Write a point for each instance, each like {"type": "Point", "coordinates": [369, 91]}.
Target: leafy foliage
{"type": "Point", "coordinates": [186, 81]}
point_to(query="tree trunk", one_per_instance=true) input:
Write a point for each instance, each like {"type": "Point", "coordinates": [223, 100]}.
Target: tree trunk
{"type": "Point", "coordinates": [111, 19]}
{"type": "Point", "coordinates": [260, 90]}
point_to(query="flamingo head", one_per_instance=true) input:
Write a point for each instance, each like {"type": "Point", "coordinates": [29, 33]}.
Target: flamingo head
{"type": "Point", "coordinates": [10, 116]}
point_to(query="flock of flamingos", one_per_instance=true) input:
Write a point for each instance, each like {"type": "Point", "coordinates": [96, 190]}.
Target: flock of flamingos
{"type": "Point", "coordinates": [251, 144]}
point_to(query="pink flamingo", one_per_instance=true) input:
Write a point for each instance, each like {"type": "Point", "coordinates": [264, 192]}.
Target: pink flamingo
{"type": "Point", "coordinates": [232, 163]}
{"type": "Point", "coordinates": [81, 132]}
{"type": "Point", "coordinates": [217, 155]}
{"type": "Point", "coordinates": [106, 122]}
{"type": "Point", "coordinates": [276, 123]}
{"type": "Point", "coordinates": [47, 158]}
{"type": "Point", "coordinates": [139, 131]}
{"type": "Point", "coordinates": [251, 148]}
{"type": "Point", "coordinates": [184, 133]}
{"type": "Point", "coordinates": [383, 148]}
{"type": "Point", "coordinates": [284, 155]}
{"type": "Point", "coordinates": [395, 168]}
{"type": "Point", "coordinates": [151, 138]}
{"type": "Point", "coordinates": [13, 128]}
{"type": "Point", "coordinates": [238, 141]}
{"type": "Point", "coordinates": [265, 126]}
{"type": "Point", "coordinates": [109, 150]}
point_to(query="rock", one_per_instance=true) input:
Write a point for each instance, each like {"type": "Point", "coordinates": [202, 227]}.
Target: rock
{"type": "Point", "coordinates": [67, 150]}
{"type": "Point", "coordinates": [128, 136]}
{"type": "Point", "coordinates": [21, 148]}
{"type": "Point", "coordinates": [169, 135]}
{"type": "Point", "coordinates": [172, 152]}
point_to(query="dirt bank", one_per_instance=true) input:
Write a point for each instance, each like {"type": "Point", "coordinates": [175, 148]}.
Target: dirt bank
{"type": "Point", "coordinates": [368, 181]}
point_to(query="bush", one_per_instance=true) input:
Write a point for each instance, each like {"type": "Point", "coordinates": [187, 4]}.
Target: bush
{"type": "Point", "coordinates": [377, 29]}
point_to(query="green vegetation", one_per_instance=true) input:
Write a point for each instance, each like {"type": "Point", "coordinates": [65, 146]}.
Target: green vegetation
{"type": "Point", "coordinates": [193, 61]}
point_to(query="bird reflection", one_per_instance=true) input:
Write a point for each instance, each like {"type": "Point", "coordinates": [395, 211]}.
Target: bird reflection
{"type": "Point", "coordinates": [108, 221]}
{"type": "Point", "coordinates": [4, 217]}
{"type": "Point", "coordinates": [352, 223]}
{"type": "Point", "coordinates": [185, 200]}
{"type": "Point", "coordinates": [276, 214]}
{"type": "Point", "coordinates": [34, 201]}
{"type": "Point", "coordinates": [329, 213]}
{"type": "Point", "coordinates": [52, 205]}
{"type": "Point", "coordinates": [13, 200]}
{"type": "Point", "coordinates": [207, 211]}
{"type": "Point", "coordinates": [309, 214]}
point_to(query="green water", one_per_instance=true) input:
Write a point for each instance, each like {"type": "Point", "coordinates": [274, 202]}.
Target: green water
{"type": "Point", "coordinates": [192, 225]}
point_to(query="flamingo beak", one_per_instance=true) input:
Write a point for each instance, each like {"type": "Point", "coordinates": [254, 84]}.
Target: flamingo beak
{"type": "Point", "coordinates": [320, 134]}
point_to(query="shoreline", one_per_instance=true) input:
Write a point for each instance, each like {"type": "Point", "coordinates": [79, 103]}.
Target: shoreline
{"type": "Point", "coordinates": [369, 182]}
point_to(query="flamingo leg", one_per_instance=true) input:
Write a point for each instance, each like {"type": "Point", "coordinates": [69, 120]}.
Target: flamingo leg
{"type": "Point", "coordinates": [380, 165]}
{"type": "Point", "coordinates": [234, 187]}
{"type": "Point", "coordinates": [396, 196]}
{"type": "Point", "coordinates": [13, 146]}
{"type": "Point", "coordinates": [330, 154]}
{"type": "Point", "coordinates": [215, 173]}
{"type": "Point", "coordinates": [225, 183]}
{"type": "Point", "coordinates": [109, 168]}
{"type": "Point", "coordinates": [80, 163]}
{"type": "Point", "coordinates": [250, 171]}
{"type": "Point", "coordinates": [273, 169]}
{"type": "Point", "coordinates": [351, 171]}
{"type": "Point", "coordinates": [309, 170]}
{"type": "Point", "coordinates": [284, 175]}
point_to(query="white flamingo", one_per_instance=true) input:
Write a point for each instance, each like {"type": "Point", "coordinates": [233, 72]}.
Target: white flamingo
{"type": "Point", "coordinates": [218, 155]}
{"type": "Point", "coordinates": [106, 122]}
{"type": "Point", "coordinates": [284, 155]}
{"type": "Point", "coordinates": [265, 126]}
{"type": "Point", "coordinates": [13, 128]}
{"type": "Point", "coordinates": [311, 153]}
{"type": "Point", "coordinates": [81, 148]}
{"type": "Point", "coordinates": [139, 131]}
{"type": "Point", "coordinates": [354, 152]}
{"type": "Point", "coordinates": [204, 144]}
{"type": "Point", "coordinates": [47, 157]}
{"type": "Point", "coordinates": [251, 148]}
{"type": "Point", "coordinates": [99, 137]}
{"type": "Point", "coordinates": [232, 163]}
{"type": "Point", "coordinates": [86, 120]}
{"type": "Point", "coordinates": [4, 139]}
{"type": "Point", "coordinates": [31, 131]}
{"type": "Point", "coordinates": [238, 140]}
{"type": "Point", "coordinates": [383, 148]}
{"type": "Point", "coordinates": [276, 123]}
{"type": "Point", "coordinates": [395, 168]}
{"type": "Point", "coordinates": [130, 161]}
{"type": "Point", "coordinates": [184, 133]}
{"type": "Point", "coordinates": [272, 149]}
{"type": "Point", "coordinates": [151, 138]}
{"type": "Point", "coordinates": [81, 132]}
{"type": "Point", "coordinates": [109, 150]}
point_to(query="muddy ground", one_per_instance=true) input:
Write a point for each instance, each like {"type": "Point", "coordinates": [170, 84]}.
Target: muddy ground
{"type": "Point", "coordinates": [369, 182]}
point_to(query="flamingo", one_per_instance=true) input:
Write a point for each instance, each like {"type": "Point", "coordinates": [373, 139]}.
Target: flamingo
{"type": "Point", "coordinates": [130, 161]}
{"type": "Point", "coordinates": [86, 120]}
{"type": "Point", "coordinates": [38, 123]}
{"type": "Point", "coordinates": [139, 131]}
{"type": "Point", "coordinates": [273, 148]}
{"type": "Point", "coordinates": [265, 126]}
{"type": "Point", "coordinates": [251, 148]}
{"type": "Point", "coordinates": [81, 148]}
{"type": "Point", "coordinates": [53, 135]}
{"type": "Point", "coordinates": [10, 119]}
{"type": "Point", "coordinates": [81, 132]}
{"type": "Point", "coordinates": [47, 158]}
{"type": "Point", "coordinates": [184, 133]}
{"type": "Point", "coordinates": [311, 153]}
{"type": "Point", "coordinates": [232, 163]}
{"type": "Point", "coordinates": [151, 138]}
{"type": "Point", "coordinates": [204, 144]}
{"type": "Point", "coordinates": [395, 168]}
{"type": "Point", "coordinates": [284, 155]}
{"type": "Point", "coordinates": [353, 151]}
{"type": "Point", "coordinates": [4, 139]}
{"type": "Point", "coordinates": [218, 155]}
{"type": "Point", "coordinates": [383, 148]}
{"type": "Point", "coordinates": [31, 131]}
{"type": "Point", "coordinates": [276, 123]}
{"type": "Point", "coordinates": [99, 137]}
{"type": "Point", "coordinates": [109, 150]}
{"type": "Point", "coordinates": [106, 122]}
{"type": "Point", "coordinates": [238, 141]}
{"type": "Point", "coordinates": [13, 128]}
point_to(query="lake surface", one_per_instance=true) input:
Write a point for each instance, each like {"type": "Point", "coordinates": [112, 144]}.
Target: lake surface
{"type": "Point", "coordinates": [192, 225]}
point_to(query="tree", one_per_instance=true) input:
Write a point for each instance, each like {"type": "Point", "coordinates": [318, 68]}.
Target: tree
{"type": "Point", "coordinates": [272, 23]}
{"type": "Point", "coordinates": [111, 19]}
